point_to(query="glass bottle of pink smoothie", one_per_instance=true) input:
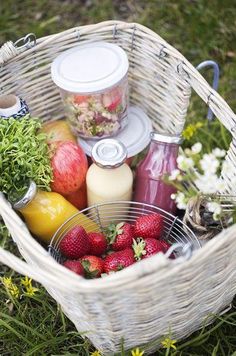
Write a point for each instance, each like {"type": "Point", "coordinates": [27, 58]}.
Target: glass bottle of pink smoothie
{"type": "Point", "coordinates": [159, 161]}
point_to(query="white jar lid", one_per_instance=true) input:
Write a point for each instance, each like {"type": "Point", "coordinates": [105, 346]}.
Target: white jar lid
{"type": "Point", "coordinates": [90, 68]}
{"type": "Point", "coordinates": [135, 135]}
{"type": "Point", "coordinates": [109, 153]}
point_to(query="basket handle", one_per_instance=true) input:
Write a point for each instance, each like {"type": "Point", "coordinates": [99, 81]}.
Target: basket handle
{"type": "Point", "coordinates": [39, 275]}
{"type": "Point", "coordinates": [9, 49]}
{"type": "Point", "coordinates": [216, 103]}
{"type": "Point", "coordinates": [215, 83]}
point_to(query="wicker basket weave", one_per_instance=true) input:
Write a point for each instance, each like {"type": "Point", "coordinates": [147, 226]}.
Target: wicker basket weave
{"type": "Point", "coordinates": [155, 296]}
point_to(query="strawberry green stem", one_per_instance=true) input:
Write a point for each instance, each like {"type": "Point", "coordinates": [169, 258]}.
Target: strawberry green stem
{"type": "Point", "coordinates": [139, 248]}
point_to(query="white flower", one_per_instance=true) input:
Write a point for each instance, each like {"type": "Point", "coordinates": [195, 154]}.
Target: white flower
{"type": "Point", "coordinates": [174, 174]}
{"type": "Point", "coordinates": [210, 183]}
{"type": "Point", "coordinates": [217, 152]}
{"type": "Point", "coordinates": [196, 148]}
{"type": "Point", "coordinates": [220, 185]}
{"type": "Point", "coordinates": [181, 201]}
{"type": "Point", "coordinates": [209, 164]}
{"type": "Point", "coordinates": [184, 163]}
{"type": "Point", "coordinates": [207, 184]}
{"type": "Point", "coordinates": [173, 196]}
{"type": "Point", "coordinates": [188, 152]}
{"type": "Point", "coordinates": [214, 208]}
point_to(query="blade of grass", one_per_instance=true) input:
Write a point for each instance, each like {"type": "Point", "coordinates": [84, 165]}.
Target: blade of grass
{"type": "Point", "coordinates": [20, 324]}
{"type": "Point", "coordinates": [19, 335]}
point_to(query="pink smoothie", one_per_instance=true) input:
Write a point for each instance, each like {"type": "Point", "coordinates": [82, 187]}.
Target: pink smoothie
{"type": "Point", "coordinates": [160, 160]}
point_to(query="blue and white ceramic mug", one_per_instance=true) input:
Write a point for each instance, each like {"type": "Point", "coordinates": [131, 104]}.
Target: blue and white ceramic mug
{"type": "Point", "coordinates": [12, 106]}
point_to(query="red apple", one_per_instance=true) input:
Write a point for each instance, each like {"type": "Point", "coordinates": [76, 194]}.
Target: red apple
{"type": "Point", "coordinates": [78, 198]}
{"type": "Point", "coordinates": [69, 166]}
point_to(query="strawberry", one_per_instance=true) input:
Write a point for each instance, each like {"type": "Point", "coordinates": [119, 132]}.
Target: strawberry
{"type": "Point", "coordinates": [120, 236]}
{"type": "Point", "coordinates": [93, 266]}
{"type": "Point", "coordinates": [75, 243]}
{"type": "Point", "coordinates": [150, 226]}
{"type": "Point", "coordinates": [144, 248]}
{"type": "Point", "coordinates": [126, 257]}
{"type": "Point", "coordinates": [98, 243]}
{"type": "Point", "coordinates": [116, 261]}
{"type": "Point", "coordinates": [74, 266]}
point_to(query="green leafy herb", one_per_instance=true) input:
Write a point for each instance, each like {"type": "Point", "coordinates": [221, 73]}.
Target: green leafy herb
{"type": "Point", "coordinates": [24, 156]}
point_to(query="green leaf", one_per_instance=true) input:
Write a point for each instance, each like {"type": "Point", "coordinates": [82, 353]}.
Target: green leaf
{"type": "Point", "coordinates": [88, 273]}
{"type": "Point", "coordinates": [119, 226]}
{"type": "Point", "coordinates": [114, 230]}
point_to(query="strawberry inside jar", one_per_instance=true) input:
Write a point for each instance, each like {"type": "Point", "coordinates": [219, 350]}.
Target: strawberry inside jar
{"type": "Point", "coordinates": [93, 82]}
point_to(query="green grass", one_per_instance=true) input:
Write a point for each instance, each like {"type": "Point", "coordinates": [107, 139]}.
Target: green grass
{"type": "Point", "coordinates": [200, 30]}
{"type": "Point", "coordinates": [36, 326]}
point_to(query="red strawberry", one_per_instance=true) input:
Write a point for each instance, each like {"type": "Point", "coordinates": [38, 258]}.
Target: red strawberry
{"type": "Point", "coordinates": [150, 226]}
{"type": "Point", "coordinates": [145, 248]}
{"type": "Point", "coordinates": [98, 243]}
{"type": "Point", "coordinates": [116, 261]}
{"type": "Point", "coordinates": [74, 266]}
{"type": "Point", "coordinates": [126, 257]}
{"type": "Point", "coordinates": [75, 243]}
{"type": "Point", "coordinates": [93, 266]}
{"type": "Point", "coordinates": [112, 262]}
{"type": "Point", "coordinates": [120, 236]}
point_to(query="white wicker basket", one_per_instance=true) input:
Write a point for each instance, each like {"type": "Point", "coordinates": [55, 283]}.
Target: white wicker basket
{"type": "Point", "coordinates": [157, 295]}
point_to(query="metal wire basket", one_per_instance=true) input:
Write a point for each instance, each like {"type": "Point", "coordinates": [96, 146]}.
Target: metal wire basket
{"type": "Point", "coordinates": [182, 239]}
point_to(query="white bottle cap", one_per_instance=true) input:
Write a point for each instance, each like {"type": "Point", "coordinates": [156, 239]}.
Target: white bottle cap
{"type": "Point", "coordinates": [90, 68]}
{"type": "Point", "coordinates": [135, 135]}
{"type": "Point", "coordinates": [109, 153]}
